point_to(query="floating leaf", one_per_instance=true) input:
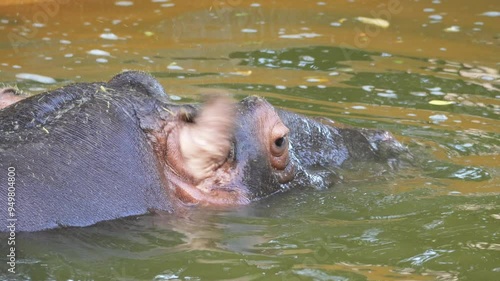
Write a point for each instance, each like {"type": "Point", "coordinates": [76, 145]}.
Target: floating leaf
{"type": "Point", "coordinates": [441, 102]}
{"type": "Point", "coordinates": [314, 79]}
{"type": "Point", "coordinates": [241, 73]}
{"type": "Point", "coordinates": [374, 21]}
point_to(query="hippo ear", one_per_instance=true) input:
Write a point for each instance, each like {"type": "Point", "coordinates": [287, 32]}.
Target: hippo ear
{"type": "Point", "coordinates": [10, 95]}
{"type": "Point", "coordinates": [141, 82]}
{"type": "Point", "coordinates": [206, 142]}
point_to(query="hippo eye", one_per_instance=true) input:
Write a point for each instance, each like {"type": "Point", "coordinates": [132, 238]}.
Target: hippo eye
{"type": "Point", "coordinates": [279, 152]}
{"type": "Point", "coordinates": [280, 146]}
{"type": "Point", "coordinates": [279, 141]}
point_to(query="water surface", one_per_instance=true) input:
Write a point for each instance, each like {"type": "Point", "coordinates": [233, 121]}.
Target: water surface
{"type": "Point", "coordinates": [431, 77]}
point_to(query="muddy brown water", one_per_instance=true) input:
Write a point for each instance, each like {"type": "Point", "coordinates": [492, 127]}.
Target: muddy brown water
{"type": "Point", "coordinates": [431, 77]}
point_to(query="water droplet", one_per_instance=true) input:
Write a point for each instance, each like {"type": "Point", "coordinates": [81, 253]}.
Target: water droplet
{"type": "Point", "coordinates": [368, 88]}
{"type": "Point", "coordinates": [491, 14]}
{"type": "Point", "coordinates": [109, 36]}
{"type": "Point", "coordinates": [360, 107]}
{"type": "Point", "coordinates": [470, 173]}
{"type": "Point", "coordinates": [249, 30]}
{"type": "Point", "coordinates": [418, 94]}
{"type": "Point", "coordinates": [453, 28]}
{"type": "Point", "coordinates": [487, 78]}
{"type": "Point", "coordinates": [174, 66]}
{"type": "Point", "coordinates": [300, 36]}
{"type": "Point", "coordinates": [96, 52]}
{"type": "Point", "coordinates": [436, 17]}
{"type": "Point", "coordinates": [36, 77]}
{"type": "Point", "coordinates": [307, 58]}
{"type": "Point", "coordinates": [387, 95]}
{"type": "Point", "coordinates": [438, 118]}
{"type": "Point", "coordinates": [163, 277]}
{"type": "Point", "coordinates": [124, 3]}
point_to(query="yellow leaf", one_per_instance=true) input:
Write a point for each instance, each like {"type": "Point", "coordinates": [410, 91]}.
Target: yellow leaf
{"type": "Point", "coordinates": [441, 102]}
{"type": "Point", "coordinates": [378, 22]}
{"type": "Point", "coordinates": [314, 79]}
{"type": "Point", "coordinates": [241, 73]}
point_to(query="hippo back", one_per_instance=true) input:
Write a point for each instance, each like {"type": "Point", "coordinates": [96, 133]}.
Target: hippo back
{"type": "Point", "coordinates": [79, 156]}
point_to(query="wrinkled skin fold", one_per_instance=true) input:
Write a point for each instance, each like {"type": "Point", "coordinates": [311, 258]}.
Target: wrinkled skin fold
{"type": "Point", "coordinates": [91, 152]}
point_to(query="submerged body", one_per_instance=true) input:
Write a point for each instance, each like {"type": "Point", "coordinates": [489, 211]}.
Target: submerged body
{"type": "Point", "coordinates": [98, 151]}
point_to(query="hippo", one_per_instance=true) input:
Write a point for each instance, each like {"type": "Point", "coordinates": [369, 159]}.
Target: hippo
{"type": "Point", "coordinates": [92, 152]}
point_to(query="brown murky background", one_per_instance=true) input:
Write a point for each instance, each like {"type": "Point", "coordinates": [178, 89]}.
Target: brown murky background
{"type": "Point", "coordinates": [429, 73]}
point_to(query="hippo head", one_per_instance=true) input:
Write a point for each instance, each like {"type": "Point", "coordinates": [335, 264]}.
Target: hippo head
{"type": "Point", "coordinates": [226, 154]}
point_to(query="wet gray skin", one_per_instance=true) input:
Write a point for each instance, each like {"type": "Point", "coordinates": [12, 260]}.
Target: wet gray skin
{"type": "Point", "coordinates": [91, 152]}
